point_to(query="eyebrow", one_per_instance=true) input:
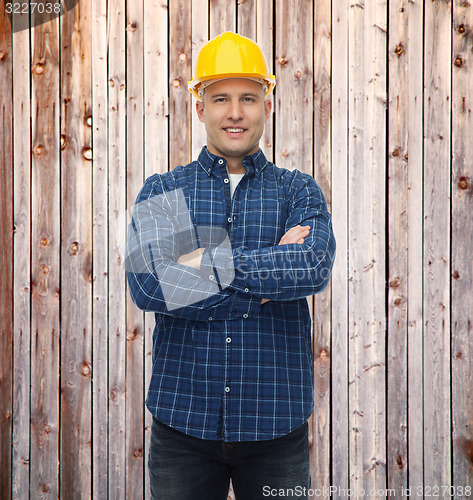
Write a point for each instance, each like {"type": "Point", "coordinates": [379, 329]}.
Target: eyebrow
{"type": "Point", "coordinates": [225, 94]}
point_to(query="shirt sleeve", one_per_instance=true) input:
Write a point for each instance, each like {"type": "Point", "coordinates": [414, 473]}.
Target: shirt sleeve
{"type": "Point", "coordinates": [160, 232]}
{"type": "Point", "coordinates": [292, 271]}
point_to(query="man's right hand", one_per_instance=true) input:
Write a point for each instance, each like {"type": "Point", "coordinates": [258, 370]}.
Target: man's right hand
{"type": "Point", "coordinates": [296, 234]}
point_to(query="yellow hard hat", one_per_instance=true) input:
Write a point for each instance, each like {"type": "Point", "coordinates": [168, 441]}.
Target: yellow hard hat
{"type": "Point", "coordinates": [230, 55]}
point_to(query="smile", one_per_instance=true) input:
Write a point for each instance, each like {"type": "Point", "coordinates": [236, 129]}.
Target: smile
{"type": "Point", "coordinates": [234, 130]}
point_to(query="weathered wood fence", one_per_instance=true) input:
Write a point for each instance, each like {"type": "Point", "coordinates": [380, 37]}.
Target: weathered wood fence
{"type": "Point", "coordinates": [373, 98]}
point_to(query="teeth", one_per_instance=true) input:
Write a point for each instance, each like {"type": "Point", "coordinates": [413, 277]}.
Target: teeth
{"type": "Point", "coordinates": [234, 129]}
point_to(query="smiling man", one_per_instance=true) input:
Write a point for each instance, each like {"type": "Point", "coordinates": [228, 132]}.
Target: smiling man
{"type": "Point", "coordinates": [225, 251]}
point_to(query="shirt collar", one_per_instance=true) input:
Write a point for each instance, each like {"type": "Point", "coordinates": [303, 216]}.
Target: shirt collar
{"type": "Point", "coordinates": [254, 163]}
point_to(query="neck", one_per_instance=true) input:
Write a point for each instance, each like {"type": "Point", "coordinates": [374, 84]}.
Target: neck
{"type": "Point", "coordinates": [235, 166]}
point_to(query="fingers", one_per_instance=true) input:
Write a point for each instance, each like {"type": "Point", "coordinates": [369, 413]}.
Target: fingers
{"type": "Point", "coordinates": [295, 235]}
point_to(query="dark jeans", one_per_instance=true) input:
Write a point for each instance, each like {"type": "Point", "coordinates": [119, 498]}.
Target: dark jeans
{"type": "Point", "coordinates": [182, 467]}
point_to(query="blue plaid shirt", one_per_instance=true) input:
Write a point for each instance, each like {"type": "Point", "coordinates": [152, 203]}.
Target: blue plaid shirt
{"type": "Point", "coordinates": [224, 365]}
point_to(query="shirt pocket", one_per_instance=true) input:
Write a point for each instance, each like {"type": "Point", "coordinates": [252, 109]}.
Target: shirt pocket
{"type": "Point", "coordinates": [263, 220]}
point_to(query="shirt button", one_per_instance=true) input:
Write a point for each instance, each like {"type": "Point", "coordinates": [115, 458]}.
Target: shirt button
{"type": "Point", "coordinates": [210, 318]}
{"type": "Point", "coordinates": [247, 290]}
{"type": "Point", "coordinates": [226, 180]}
{"type": "Point", "coordinates": [220, 162]}
{"type": "Point", "coordinates": [227, 389]}
{"type": "Point", "coordinates": [211, 277]}
{"type": "Point", "coordinates": [245, 315]}
{"type": "Point", "coordinates": [229, 219]}
{"type": "Point", "coordinates": [228, 339]}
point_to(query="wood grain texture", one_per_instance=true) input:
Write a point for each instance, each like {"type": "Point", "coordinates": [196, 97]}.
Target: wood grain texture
{"type": "Point", "coordinates": [156, 149]}
{"type": "Point", "coordinates": [222, 16]}
{"type": "Point", "coordinates": [436, 260]}
{"type": "Point", "coordinates": [179, 74]}
{"type": "Point", "coordinates": [116, 231]}
{"type": "Point", "coordinates": [294, 96]}
{"type": "Point", "coordinates": [415, 152]}
{"type": "Point", "coordinates": [134, 317]}
{"type": "Point", "coordinates": [462, 242]}
{"type": "Point", "coordinates": [6, 254]}
{"type": "Point", "coordinates": [22, 264]}
{"type": "Point", "coordinates": [76, 253]}
{"type": "Point", "coordinates": [320, 450]}
{"type": "Point", "coordinates": [398, 123]}
{"type": "Point", "coordinates": [367, 165]}
{"type": "Point", "coordinates": [340, 217]}
{"type": "Point", "coordinates": [200, 36]}
{"type": "Point", "coordinates": [45, 263]}
{"type": "Point", "coordinates": [98, 27]}
{"type": "Point", "coordinates": [265, 39]}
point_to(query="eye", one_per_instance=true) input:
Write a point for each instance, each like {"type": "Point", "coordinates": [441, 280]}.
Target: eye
{"type": "Point", "coordinates": [219, 99]}
{"type": "Point", "coordinates": [249, 99]}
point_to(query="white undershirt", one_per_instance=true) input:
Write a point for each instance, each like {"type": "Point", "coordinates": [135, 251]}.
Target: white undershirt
{"type": "Point", "coordinates": [234, 180]}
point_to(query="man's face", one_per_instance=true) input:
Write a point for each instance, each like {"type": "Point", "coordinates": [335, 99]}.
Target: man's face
{"type": "Point", "coordinates": [234, 112]}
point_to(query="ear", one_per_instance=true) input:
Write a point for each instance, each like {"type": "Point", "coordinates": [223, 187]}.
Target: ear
{"type": "Point", "coordinates": [199, 107]}
{"type": "Point", "coordinates": [267, 108]}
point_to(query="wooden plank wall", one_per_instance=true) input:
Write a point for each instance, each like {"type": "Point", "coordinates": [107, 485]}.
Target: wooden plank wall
{"type": "Point", "coordinates": [374, 99]}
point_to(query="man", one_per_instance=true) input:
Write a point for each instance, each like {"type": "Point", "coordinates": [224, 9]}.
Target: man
{"type": "Point", "coordinates": [225, 251]}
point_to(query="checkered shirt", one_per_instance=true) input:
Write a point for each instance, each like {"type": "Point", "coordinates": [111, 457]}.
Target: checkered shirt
{"type": "Point", "coordinates": [226, 366]}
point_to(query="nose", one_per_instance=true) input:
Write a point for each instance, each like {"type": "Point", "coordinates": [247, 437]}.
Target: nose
{"type": "Point", "coordinates": [235, 110]}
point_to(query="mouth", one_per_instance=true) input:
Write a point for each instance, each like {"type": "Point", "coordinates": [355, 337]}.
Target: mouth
{"type": "Point", "coordinates": [234, 131]}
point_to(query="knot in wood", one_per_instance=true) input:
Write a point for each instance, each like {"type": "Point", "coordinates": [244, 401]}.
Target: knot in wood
{"type": "Point", "coordinates": [138, 453]}
{"type": "Point", "coordinates": [398, 301]}
{"type": "Point", "coordinates": [396, 152]}
{"type": "Point", "coordinates": [284, 153]}
{"type": "Point", "coordinates": [39, 150]}
{"type": "Point", "coordinates": [323, 354]}
{"type": "Point", "coordinates": [3, 54]}
{"type": "Point", "coordinates": [132, 335]}
{"type": "Point", "coordinates": [87, 153]}
{"type": "Point", "coordinates": [88, 121]}
{"type": "Point", "coordinates": [44, 242]}
{"type": "Point", "coordinates": [282, 61]}
{"type": "Point", "coordinates": [456, 275]}
{"type": "Point", "coordinates": [176, 83]}
{"type": "Point", "coordinates": [461, 29]}
{"type": "Point", "coordinates": [458, 62]}
{"type": "Point", "coordinates": [39, 69]}
{"type": "Point", "coordinates": [45, 269]}
{"type": "Point", "coordinates": [63, 142]}
{"type": "Point", "coordinates": [406, 157]}
{"type": "Point", "coordinates": [85, 370]}
{"type": "Point", "coordinates": [395, 283]}
{"type": "Point", "coordinates": [132, 27]}
{"type": "Point", "coordinates": [463, 183]}
{"type": "Point", "coordinates": [399, 50]}
{"type": "Point", "coordinates": [74, 248]}
{"type": "Point", "coordinates": [298, 74]}
{"type": "Point", "coordinates": [182, 57]}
